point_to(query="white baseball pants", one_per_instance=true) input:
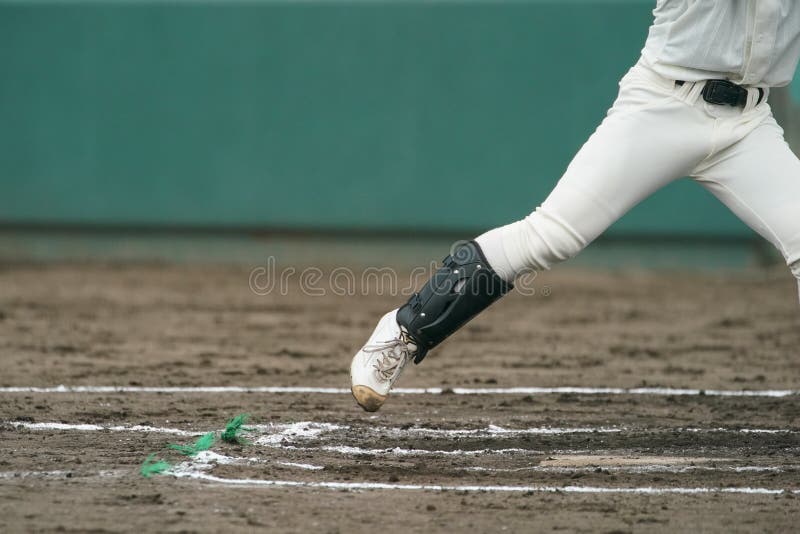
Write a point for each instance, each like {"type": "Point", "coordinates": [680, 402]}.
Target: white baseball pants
{"type": "Point", "coordinates": [657, 132]}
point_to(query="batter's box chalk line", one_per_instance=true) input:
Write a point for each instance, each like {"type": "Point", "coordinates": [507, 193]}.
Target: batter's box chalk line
{"type": "Point", "coordinates": [302, 431]}
{"type": "Point", "coordinates": [199, 467]}
{"type": "Point", "coordinates": [310, 436]}
{"type": "Point", "coordinates": [469, 488]}
{"type": "Point", "coordinates": [655, 391]}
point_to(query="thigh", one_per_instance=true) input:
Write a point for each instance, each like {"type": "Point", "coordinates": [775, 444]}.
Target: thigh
{"type": "Point", "coordinates": [648, 139]}
{"type": "Point", "coordinates": [758, 178]}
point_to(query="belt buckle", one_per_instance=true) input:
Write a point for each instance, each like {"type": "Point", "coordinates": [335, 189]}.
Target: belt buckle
{"type": "Point", "coordinates": [721, 92]}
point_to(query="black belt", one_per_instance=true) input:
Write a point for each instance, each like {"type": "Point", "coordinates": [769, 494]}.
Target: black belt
{"type": "Point", "coordinates": [721, 92]}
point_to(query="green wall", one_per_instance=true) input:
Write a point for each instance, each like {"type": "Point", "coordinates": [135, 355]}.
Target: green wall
{"type": "Point", "coordinates": [368, 114]}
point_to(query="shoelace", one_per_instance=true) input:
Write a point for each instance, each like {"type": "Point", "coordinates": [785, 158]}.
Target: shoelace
{"type": "Point", "coordinates": [394, 355]}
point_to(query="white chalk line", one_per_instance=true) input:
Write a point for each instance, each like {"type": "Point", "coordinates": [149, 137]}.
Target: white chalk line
{"type": "Point", "coordinates": [284, 436]}
{"type": "Point", "coordinates": [656, 391]}
{"type": "Point", "coordinates": [310, 429]}
{"type": "Point", "coordinates": [198, 468]}
{"type": "Point", "coordinates": [278, 433]}
{"type": "Point", "coordinates": [493, 430]}
{"type": "Point", "coordinates": [197, 472]}
{"type": "Point", "coordinates": [348, 450]}
{"type": "Point", "coordinates": [472, 488]}
{"type": "Point", "coordinates": [204, 461]}
{"type": "Point", "coordinates": [635, 469]}
{"type": "Point", "coordinates": [309, 467]}
{"type": "Point", "coordinates": [300, 436]}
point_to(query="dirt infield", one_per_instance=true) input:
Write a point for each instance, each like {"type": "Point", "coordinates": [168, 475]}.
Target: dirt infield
{"type": "Point", "coordinates": [689, 450]}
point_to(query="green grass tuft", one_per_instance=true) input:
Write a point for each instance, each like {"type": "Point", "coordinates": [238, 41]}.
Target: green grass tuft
{"type": "Point", "coordinates": [152, 467]}
{"type": "Point", "coordinates": [203, 443]}
{"type": "Point", "coordinates": [233, 429]}
{"type": "Point", "coordinates": [231, 434]}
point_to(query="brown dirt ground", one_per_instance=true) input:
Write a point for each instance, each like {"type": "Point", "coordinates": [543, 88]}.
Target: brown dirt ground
{"type": "Point", "coordinates": [160, 325]}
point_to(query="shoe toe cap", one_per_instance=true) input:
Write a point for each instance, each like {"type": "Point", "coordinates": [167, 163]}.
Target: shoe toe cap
{"type": "Point", "coordinates": [368, 398]}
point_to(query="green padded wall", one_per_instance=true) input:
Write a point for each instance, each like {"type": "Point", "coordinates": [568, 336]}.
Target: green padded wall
{"type": "Point", "coordinates": [370, 115]}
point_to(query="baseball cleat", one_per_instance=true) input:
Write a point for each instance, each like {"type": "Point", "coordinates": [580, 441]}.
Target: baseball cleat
{"type": "Point", "coordinates": [379, 363]}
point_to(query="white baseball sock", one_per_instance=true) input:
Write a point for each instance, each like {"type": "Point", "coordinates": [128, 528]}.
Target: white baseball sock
{"type": "Point", "coordinates": [534, 243]}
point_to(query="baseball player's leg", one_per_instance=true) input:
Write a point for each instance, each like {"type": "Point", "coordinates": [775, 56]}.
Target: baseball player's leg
{"type": "Point", "coordinates": [758, 178]}
{"type": "Point", "coordinates": [648, 139]}
{"type": "Point", "coordinates": [635, 151]}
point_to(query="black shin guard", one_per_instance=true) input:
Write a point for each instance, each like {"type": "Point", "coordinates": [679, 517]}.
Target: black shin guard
{"type": "Point", "coordinates": [464, 286]}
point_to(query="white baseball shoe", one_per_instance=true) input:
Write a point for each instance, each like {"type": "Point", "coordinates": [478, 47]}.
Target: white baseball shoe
{"type": "Point", "coordinates": [378, 365]}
